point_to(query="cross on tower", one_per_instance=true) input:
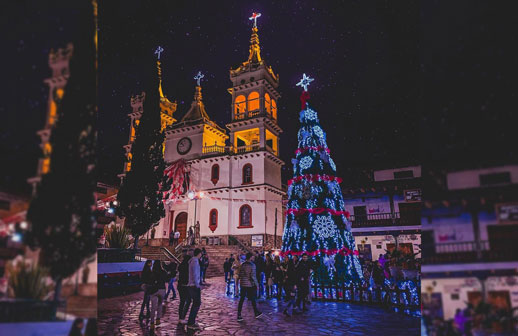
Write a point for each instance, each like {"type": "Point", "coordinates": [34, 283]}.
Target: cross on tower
{"type": "Point", "coordinates": [254, 17]}
{"type": "Point", "coordinates": [305, 81]}
{"type": "Point", "coordinates": [158, 51]}
{"type": "Point", "coordinates": [198, 77]}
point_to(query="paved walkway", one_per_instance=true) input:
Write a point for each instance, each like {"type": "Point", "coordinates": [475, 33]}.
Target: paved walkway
{"type": "Point", "coordinates": [218, 316]}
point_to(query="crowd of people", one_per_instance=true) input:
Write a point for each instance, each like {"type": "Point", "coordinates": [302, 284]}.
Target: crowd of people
{"type": "Point", "coordinates": [258, 275]}
{"type": "Point", "coordinates": [189, 276]}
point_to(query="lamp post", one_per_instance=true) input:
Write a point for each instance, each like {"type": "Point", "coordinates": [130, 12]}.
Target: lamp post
{"type": "Point", "coordinates": [192, 195]}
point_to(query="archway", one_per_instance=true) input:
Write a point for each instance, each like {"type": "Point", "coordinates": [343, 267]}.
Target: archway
{"type": "Point", "coordinates": [180, 225]}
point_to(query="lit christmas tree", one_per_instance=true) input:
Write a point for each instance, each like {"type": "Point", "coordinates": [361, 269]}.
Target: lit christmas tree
{"type": "Point", "coordinates": [316, 220]}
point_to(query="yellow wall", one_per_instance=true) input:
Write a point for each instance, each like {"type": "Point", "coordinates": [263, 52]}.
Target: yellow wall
{"type": "Point", "coordinates": [248, 136]}
{"type": "Point", "coordinates": [210, 138]}
{"type": "Point", "coordinates": [271, 136]}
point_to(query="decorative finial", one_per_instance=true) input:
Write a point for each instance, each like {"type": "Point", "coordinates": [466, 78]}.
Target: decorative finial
{"type": "Point", "coordinates": [158, 51]}
{"type": "Point", "coordinates": [254, 17]}
{"type": "Point", "coordinates": [305, 81]}
{"type": "Point", "coordinates": [198, 77]}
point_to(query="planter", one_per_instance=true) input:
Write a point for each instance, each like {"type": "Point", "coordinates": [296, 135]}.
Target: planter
{"type": "Point", "coordinates": [27, 310]}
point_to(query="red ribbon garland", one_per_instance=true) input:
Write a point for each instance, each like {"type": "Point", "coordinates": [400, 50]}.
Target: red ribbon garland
{"type": "Point", "coordinates": [314, 178]}
{"type": "Point", "coordinates": [318, 148]}
{"type": "Point", "coordinates": [343, 251]}
{"type": "Point", "coordinates": [301, 211]}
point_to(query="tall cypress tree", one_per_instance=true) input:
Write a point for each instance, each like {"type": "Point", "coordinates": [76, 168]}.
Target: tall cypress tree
{"type": "Point", "coordinates": [140, 196]}
{"type": "Point", "coordinates": [61, 212]}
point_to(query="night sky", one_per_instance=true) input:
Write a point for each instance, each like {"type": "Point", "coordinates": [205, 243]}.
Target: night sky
{"type": "Point", "coordinates": [395, 83]}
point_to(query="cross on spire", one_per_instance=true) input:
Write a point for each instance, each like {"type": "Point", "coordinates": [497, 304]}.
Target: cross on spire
{"type": "Point", "coordinates": [158, 51]}
{"type": "Point", "coordinates": [254, 17]}
{"type": "Point", "coordinates": [305, 81]}
{"type": "Point", "coordinates": [198, 77]}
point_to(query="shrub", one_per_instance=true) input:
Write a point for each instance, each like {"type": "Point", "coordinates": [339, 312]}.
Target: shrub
{"type": "Point", "coordinates": [28, 282]}
{"type": "Point", "coordinates": [118, 237]}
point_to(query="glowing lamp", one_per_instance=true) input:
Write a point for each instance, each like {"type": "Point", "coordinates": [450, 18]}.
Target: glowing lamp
{"type": "Point", "coordinates": [115, 203]}
{"type": "Point", "coordinates": [191, 194]}
{"type": "Point", "coordinates": [23, 225]}
{"type": "Point", "coordinates": [17, 238]}
{"type": "Point", "coordinates": [201, 194]}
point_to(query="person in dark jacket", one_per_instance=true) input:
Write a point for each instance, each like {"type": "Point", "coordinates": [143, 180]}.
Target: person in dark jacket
{"type": "Point", "coordinates": [183, 280]}
{"type": "Point", "coordinates": [77, 327]}
{"type": "Point", "coordinates": [302, 270]}
{"type": "Point", "coordinates": [145, 278]}
{"type": "Point", "coordinates": [248, 281]}
{"type": "Point", "coordinates": [290, 286]}
{"type": "Point", "coordinates": [204, 264]}
{"type": "Point", "coordinates": [159, 278]}
{"type": "Point", "coordinates": [268, 271]}
{"type": "Point", "coordinates": [260, 266]}
{"type": "Point", "coordinates": [227, 267]}
{"type": "Point", "coordinates": [171, 270]}
{"type": "Point", "coordinates": [278, 276]}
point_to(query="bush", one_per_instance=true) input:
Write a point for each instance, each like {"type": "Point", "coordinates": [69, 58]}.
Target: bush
{"type": "Point", "coordinates": [118, 237]}
{"type": "Point", "coordinates": [28, 282]}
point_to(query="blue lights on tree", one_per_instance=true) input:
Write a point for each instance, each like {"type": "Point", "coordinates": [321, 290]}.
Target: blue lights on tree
{"type": "Point", "coordinates": [316, 221]}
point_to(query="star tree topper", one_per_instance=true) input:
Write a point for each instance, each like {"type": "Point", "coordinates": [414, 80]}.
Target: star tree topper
{"type": "Point", "coordinates": [198, 77]}
{"type": "Point", "coordinates": [305, 81]}
{"type": "Point", "coordinates": [254, 17]}
{"type": "Point", "coordinates": [158, 51]}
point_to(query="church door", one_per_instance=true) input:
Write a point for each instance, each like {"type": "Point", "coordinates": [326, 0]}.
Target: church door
{"type": "Point", "coordinates": [180, 225]}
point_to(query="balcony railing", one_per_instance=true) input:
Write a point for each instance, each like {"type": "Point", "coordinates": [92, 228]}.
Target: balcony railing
{"type": "Point", "coordinates": [385, 219]}
{"type": "Point", "coordinates": [249, 148]}
{"type": "Point", "coordinates": [467, 252]}
{"type": "Point", "coordinates": [216, 149]}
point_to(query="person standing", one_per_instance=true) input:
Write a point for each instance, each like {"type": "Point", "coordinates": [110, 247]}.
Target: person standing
{"type": "Point", "coordinates": [176, 238]}
{"type": "Point", "coordinates": [231, 261]}
{"type": "Point", "coordinates": [194, 289]}
{"type": "Point", "coordinates": [278, 276]}
{"type": "Point", "coordinates": [145, 278]}
{"type": "Point", "coordinates": [290, 287]}
{"type": "Point", "coordinates": [249, 284]}
{"type": "Point", "coordinates": [204, 264]}
{"type": "Point", "coordinates": [227, 267]}
{"type": "Point", "coordinates": [171, 269]}
{"type": "Point", "coordinates": [183, 280]}
{"type": "Point", "coordinates": [191, 236]}
{"type": "Point", "coordinates": [303, 271]}
{"type": "Point", "coordinates": [159, 278]}
{"type": "Point", "coordinates": [236, 265]}
{"type": "Point", "coordinates": [260, 265]}
{"type": "Point", "coordinates": [171, 238]}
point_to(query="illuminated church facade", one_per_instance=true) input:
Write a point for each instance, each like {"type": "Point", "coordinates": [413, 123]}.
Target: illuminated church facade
{"type": "Point", "coordinates": [234, 187]}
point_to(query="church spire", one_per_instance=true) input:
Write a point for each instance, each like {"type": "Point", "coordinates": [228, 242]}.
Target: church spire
{"type": "Point", "coordinates": [255, 49]}
{"type": "Point", "coordinates": [158, 51]}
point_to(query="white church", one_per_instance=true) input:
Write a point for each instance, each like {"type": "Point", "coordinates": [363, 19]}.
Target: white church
{"type": "Point", "coordinates": [234, 171]}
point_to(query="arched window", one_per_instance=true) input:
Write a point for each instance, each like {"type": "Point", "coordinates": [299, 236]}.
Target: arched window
{"type": "Point", "coordinates": [267, 103]}
{"type": "Point", "coordinates": [245, 216]}
{"type": "Point", "coordinates": [274, 109]}
{"type": "Point", "coordinates": [240, 104]}
{"type": "Point", "coordinates": [214, 174]}
{"type": "Point", "coordinates": [247, 174]}
{"type": "Point", "coordinates": [253, 101]}
{"type": "Point", "coordinates": [213, 220]}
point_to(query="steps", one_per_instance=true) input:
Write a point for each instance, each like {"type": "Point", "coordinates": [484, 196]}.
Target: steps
{"type": "Point", "coordinates": [217, 255]}
{"type": "Point", "coordinates": [153, 253]}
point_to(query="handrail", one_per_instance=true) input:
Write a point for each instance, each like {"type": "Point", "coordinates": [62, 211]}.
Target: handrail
{"type": "Point", "coordinates": [169, 254]}
{"type": "Point", "coordinates": [243, 246]}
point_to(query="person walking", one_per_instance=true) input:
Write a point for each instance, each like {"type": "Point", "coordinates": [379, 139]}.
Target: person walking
{"type": "Point", "coordinates": [290, 275]}
{"type": "Point", "coordinates": [145, 278]}
{"type": "Point", "coordinates": [159, 278]}
{"type": "Point", "coordinates": [236, 265]}
{"type": "Point", "coordinates": [171, 269]}
{"type": "Point", "coordinates": [268, 271]}
{"type": "Point", "coordinates": [249, 284]}
{"type": "Point", "coordinates": [194, 289]}
{"type": "Point", "coordinates": [290, 288]}
{"type": "Point", "coordinates": [303, 270]}
{"type": "Point", "coordinates": [183, 280]}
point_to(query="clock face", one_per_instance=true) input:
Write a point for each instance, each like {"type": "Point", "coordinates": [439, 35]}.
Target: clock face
{"type": "Point", "coordinates": [184, 146]}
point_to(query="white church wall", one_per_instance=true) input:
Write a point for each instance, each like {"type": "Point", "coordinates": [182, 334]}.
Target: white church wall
{"type": "Point", "coordinates": [272, 173]}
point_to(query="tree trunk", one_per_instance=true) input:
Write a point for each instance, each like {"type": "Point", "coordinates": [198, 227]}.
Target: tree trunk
{"type": "Point", "coordinates": [135, 244]}
{"type": "Point", "coordinates": [57, 289]}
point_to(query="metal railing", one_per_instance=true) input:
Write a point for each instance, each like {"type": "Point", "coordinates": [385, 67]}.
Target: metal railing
{"type": "Point", "coordinates": [385, 219]}
{"type": "Point", "coordinates": [216, 149]}
{"type": "Point", "coordinates": [470, 251]}
{"type": "Point", "coordinates": [252, 114]}
{"type": "Point", "coordinates": [248, 148]}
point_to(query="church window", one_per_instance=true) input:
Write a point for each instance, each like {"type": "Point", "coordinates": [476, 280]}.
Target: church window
{"type": "Point", "coordinates": [213, 220]}
{"type": "Point", "coordinates": [214, 174]}
{"type": "Point", "coordinates": [245, 216]}
{"type": "Point", "coordinates": [247, 173]}
{"type": "Point", "coordinates": [267, 103]}
{"type": "Point", "coordinates": [253, 101]}
{"type": "Point", "coordinates": [240, 105]}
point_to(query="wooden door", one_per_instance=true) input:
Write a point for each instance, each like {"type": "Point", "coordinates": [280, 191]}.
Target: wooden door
{"type": "Point", "coordinates": [180, 225]}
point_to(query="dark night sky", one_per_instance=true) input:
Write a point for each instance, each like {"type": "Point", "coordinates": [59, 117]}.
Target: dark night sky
{"type": "Point", "coordinates": [395, 83]}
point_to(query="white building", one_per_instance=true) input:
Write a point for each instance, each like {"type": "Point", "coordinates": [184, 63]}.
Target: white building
{"type": "Point", "coordinates": [235, 172]}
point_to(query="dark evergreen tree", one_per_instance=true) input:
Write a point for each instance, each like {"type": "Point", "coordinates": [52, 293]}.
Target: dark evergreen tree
{"type": "Point", "coordinates": [316, 220]}
{"type": "Point", "coordinates": [140, 195]}
{"type": "Point", "coordinates": [62, 224]}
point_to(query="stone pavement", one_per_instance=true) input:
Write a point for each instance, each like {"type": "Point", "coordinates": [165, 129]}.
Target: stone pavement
{"type": "Point", "coordinates": [218, 316]}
